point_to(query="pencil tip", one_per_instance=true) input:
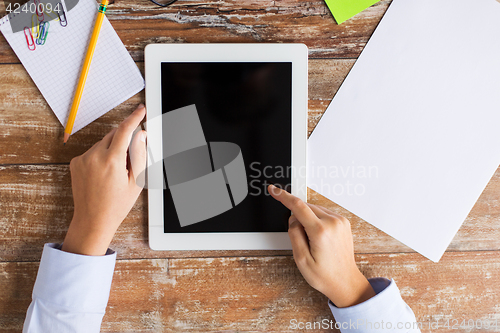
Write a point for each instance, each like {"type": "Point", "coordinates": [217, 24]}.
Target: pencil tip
{"type": "Point", "coordinates": [66, 137]}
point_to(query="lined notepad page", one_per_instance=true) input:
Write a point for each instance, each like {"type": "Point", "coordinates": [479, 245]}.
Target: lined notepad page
{"type": "Point", "coordinates": [55, 67]}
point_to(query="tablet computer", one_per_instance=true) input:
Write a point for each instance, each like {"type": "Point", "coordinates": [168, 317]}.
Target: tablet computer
{"type": "Point", "coordinates": [224, 121]}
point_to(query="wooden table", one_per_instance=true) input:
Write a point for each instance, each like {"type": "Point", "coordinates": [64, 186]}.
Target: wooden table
{"type": "Point", "coordinates": [201, 291]}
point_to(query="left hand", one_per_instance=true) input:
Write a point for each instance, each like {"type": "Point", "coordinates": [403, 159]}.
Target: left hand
{"type": "Point", "coordinates": [104, 187]}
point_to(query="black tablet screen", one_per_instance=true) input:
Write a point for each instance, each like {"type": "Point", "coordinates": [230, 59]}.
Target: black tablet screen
{"type": "Point", "coordinates": [248, 104]}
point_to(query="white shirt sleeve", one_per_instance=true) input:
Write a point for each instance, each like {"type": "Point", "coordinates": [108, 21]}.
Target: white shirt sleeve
{"type": "Point", "coordinates": [70, 293]}
{"type": "Point", "coordinates": [384, 312]}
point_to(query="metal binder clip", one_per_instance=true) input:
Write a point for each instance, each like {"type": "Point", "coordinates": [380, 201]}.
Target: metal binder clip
{"type": "Point", "coordinates": [29, 39]}
{"type": "Point", "coordinates": [39, 10]}
{"type": "Point", "coordinates": [62, 17]}
{"type": "Point", "coordinates": [44, 30]}
{"type": "Point", "coordinates": [35, 27]}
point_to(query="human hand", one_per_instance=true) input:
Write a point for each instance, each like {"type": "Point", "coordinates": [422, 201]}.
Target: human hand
{"type": "Point", "coordinates": [323, 251]}
{"type": "Point", "coordinates": [104, 187]}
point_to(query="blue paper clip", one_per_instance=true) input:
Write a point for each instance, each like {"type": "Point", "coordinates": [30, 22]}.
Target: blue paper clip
{"type": "Point", "coordinates": [62, 17]}
{"type": "Point", "coordinates": [44, 31]}
{"type": "Point", "coordinates": [29, 39]}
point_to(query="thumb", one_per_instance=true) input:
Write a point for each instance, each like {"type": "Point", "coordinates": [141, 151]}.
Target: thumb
{"type": "Point", "coordinates": [138, 154]}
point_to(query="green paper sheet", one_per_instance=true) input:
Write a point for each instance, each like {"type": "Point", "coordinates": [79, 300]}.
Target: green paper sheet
{"type": "Point", "coordinates": [343, 10]}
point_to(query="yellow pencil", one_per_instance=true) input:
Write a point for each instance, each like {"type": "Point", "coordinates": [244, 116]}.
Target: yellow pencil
{"type": "Point", "coordinates": [85, 69]}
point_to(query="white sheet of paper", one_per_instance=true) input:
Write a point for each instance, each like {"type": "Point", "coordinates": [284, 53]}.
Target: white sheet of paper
{"type": "Point", "coordinates": [412, 137]}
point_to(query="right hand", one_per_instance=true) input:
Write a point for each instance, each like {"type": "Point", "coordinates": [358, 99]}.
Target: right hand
{"type": "Point", "coordinates": [323, 251]}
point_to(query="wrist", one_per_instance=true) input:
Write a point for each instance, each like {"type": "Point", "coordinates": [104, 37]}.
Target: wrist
{"type": "Point", "coordinates": [82, 239]}
{"type": "Point", "coordinates": [354, 291]}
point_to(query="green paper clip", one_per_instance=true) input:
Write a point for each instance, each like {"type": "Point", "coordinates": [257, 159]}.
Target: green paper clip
{"type": "Point", "coordinates": [44, 31]}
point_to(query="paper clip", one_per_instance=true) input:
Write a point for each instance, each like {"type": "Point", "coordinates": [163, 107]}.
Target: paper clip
{"type": "Point", "coordinates": [62, 18]}
{"type": "Point", "coordinates": [35, 27]}
{"type": "Point", "coordinates": [44, 31]}
{"type": "Point", "coordinates": [29, 39]}
{"type": "Point", "coordinates": [38, 12]}
{"type": "Point", "coordinates": [55, 18]}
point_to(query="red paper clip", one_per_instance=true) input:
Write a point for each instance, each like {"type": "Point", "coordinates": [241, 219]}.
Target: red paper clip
{"type": "Point", "coordinates": [39, 10]}
{"type": "Point", "coordinates": [29, 39]}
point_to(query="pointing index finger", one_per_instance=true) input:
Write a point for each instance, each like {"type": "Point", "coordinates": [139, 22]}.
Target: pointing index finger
{"type": "Point", "coordinates": [298, 207]}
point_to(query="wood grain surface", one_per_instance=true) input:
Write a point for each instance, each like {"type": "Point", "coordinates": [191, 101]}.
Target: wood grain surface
{"type": "Point", "coordinates": [265, 293]}
{"type": "Point", "coordinates": [219, 291]}
{"type": "Point", "coordinates": [140, 22]}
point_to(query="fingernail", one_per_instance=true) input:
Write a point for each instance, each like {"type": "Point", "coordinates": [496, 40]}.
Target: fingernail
{"type": "Point", "coordinates": [276, 190]}
{"type": "Point", "coordinates": [144, 135]}
{"type": "Point", "coordinates": [141, 106]}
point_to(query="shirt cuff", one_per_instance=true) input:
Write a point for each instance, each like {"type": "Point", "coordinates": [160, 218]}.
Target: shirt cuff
{"type": "Point", "coordinates": [380, 313]}
{"type": "Point", "coordinates": [74, 281]}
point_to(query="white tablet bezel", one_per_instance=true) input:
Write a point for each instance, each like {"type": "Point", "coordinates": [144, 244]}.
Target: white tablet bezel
{"type": "Point", "coordinates": [155, 54]}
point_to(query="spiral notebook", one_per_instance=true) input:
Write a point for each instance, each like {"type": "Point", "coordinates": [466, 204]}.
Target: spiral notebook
{"type": "Point", "coordinates": [55, 66]}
